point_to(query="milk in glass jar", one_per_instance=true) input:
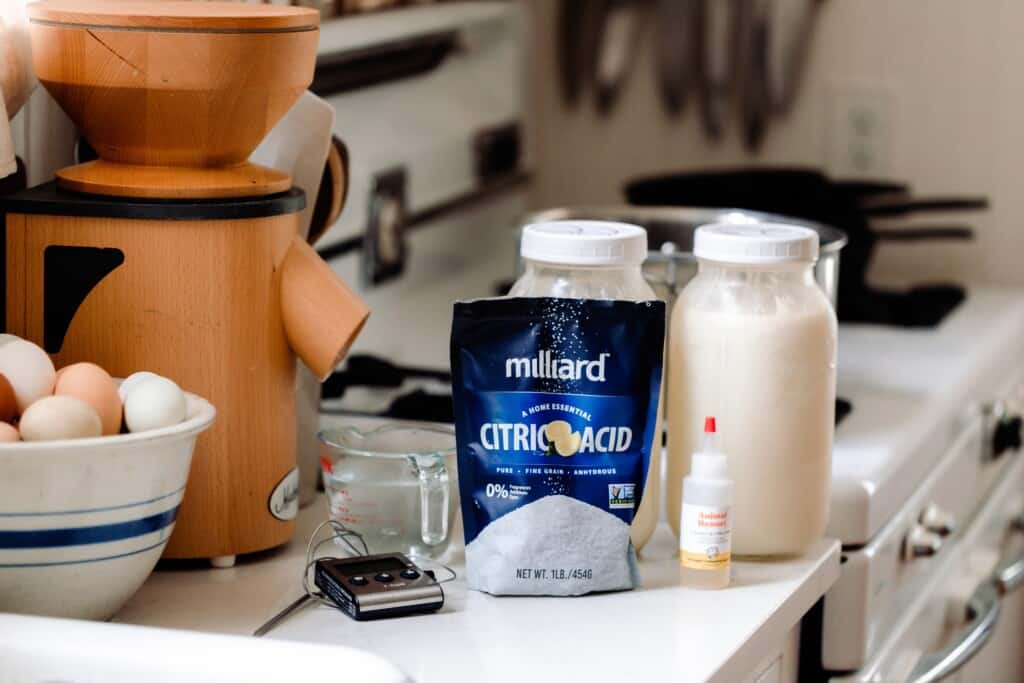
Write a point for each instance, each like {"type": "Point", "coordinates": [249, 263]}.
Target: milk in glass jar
{"type": "Point", "coordinates": [752, 341]}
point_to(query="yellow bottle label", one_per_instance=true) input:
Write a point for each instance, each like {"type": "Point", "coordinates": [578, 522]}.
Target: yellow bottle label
{"type": "Point", "coordinates": [702, 561]}
{"type": "Point", "coordinates": [705, 542]}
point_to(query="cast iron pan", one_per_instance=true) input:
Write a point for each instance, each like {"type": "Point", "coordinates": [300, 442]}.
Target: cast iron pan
{"type": "Point", "coordinates": [849, 206]}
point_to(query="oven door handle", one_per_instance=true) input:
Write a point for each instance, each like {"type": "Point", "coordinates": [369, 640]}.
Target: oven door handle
{"type": "Point", "coordinates": [1010, 575]}
{"type": "Point", "coordinates": [983, 614]}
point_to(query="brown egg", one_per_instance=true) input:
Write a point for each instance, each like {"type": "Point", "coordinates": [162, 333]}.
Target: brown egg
{"type": "Point", "coordinates": [91, 383]}
{"type": "Point", "coordinates": [8, 401]}
{"type": "Point", "coordinates": [8, 434]}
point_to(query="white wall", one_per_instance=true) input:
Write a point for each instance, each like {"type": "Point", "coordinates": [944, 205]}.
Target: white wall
{"type": "Point", "coordinates": [950, 73]}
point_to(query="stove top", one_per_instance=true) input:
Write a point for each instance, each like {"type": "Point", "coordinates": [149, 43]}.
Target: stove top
{"type": "Point", "coordinates": [913, 391]}
{"type": "Point", "coordinates": [922, 306]}
{"type": "Point", "coordinates": [411, 398]}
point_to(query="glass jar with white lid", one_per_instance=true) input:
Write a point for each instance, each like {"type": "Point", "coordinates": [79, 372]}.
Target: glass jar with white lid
{"type": "Point", "coordinates": [752, 342]}
{"type": "Point", "coordinates": [578, 259]}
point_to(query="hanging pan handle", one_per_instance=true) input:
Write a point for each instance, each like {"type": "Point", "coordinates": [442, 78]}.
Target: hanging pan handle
{"type": "Point", "coordinates": [926, 233]}
{"type": "Point", "coordinates": [904, 207]}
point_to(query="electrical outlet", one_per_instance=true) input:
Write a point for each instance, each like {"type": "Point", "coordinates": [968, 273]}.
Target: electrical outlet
{"type": "Point", "coordinates": [859, 130]}
{"type": "Point", "coordinates": [384, 247]}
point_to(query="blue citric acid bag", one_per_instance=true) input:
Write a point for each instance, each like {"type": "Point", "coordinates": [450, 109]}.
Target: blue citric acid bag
{"type": "Point", "coordinates": [556, 406]}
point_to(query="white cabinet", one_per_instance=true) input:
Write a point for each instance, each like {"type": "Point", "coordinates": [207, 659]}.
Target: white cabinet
{"type": "Point", "coordinates": [782, 665]}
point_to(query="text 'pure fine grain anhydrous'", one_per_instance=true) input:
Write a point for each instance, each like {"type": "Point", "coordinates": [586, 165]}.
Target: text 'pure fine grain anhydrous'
{"type": "Point", "coordinates": [556, 394]}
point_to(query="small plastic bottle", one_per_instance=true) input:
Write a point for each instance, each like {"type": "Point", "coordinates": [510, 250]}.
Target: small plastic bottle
{"type": "Point", "coordinates": [705, 541]}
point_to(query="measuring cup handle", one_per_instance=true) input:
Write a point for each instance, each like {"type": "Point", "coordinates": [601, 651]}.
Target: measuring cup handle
{"type": "Point", "coordinates": [434, 502]}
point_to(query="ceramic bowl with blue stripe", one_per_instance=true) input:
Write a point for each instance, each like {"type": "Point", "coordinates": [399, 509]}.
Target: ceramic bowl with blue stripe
{"type": "Point", "coordinates": [84, 521]}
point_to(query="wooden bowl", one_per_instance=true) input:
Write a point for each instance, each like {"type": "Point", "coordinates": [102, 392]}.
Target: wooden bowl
{"type": "Point", "coordinates": [185, 85]}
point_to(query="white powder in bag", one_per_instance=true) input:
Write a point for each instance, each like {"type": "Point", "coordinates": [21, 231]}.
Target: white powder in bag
{"type": "Point", "coordinates": [553, 546]}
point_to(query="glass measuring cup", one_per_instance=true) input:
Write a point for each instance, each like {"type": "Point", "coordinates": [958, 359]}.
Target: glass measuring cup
{"type": "Point", "coordinates": [395, 485]}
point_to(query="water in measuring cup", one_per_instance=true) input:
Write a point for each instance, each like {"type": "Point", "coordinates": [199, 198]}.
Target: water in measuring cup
{"type": "Point", "coordinates": [385, 511]}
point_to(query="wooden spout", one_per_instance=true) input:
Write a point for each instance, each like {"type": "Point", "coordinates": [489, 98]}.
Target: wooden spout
{"type": "Point", "coordinates": [322, 316]}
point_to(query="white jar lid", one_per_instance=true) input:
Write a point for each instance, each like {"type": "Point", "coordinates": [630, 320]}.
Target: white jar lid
{"type": "Point", "coordinates": [755, 243]}
{"type": "Point", "coordinates": [585, 243]}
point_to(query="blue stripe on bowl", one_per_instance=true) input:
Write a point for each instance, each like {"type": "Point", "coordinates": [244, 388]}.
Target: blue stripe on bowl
{"type": "Point", "coordinates": [85, 561]}
{"type": "Point", "coordinates": [85, 510]}
{"type": "Point", "coordinates": [86, 535]}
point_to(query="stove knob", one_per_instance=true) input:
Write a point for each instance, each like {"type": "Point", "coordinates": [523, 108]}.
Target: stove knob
{"type": "Point", "coordinates": [1007, 435]}
{"type": "Point", "coordinates": [921, 543]}
{"type": "Point", "coordinates": [1005, 426]}
{"type": "Point", "coordinates": [937, 520]}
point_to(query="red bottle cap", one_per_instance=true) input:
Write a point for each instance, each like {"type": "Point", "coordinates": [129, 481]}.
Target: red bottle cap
{"type": "Point", "coordinates": [709, 425]}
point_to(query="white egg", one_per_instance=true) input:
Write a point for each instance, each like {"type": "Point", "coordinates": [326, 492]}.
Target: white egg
{"type": "Point", "coordinates": [154, 403]}
{"type": "Point", "coordinates": [29, 370]}
{"type": "Point", "coordinates": [133, 380]}
{"type": "Point", "coordinates": [59, 417]}
{"type": "Point", "coordinates": [8, 338]}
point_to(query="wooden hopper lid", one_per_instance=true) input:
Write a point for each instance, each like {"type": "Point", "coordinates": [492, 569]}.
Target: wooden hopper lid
{"type": "Point", "coordinates": [175, 15]}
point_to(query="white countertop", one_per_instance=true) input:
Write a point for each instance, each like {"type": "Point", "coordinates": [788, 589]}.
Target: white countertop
{"type": "Point", "coordinates": [660, 629]}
